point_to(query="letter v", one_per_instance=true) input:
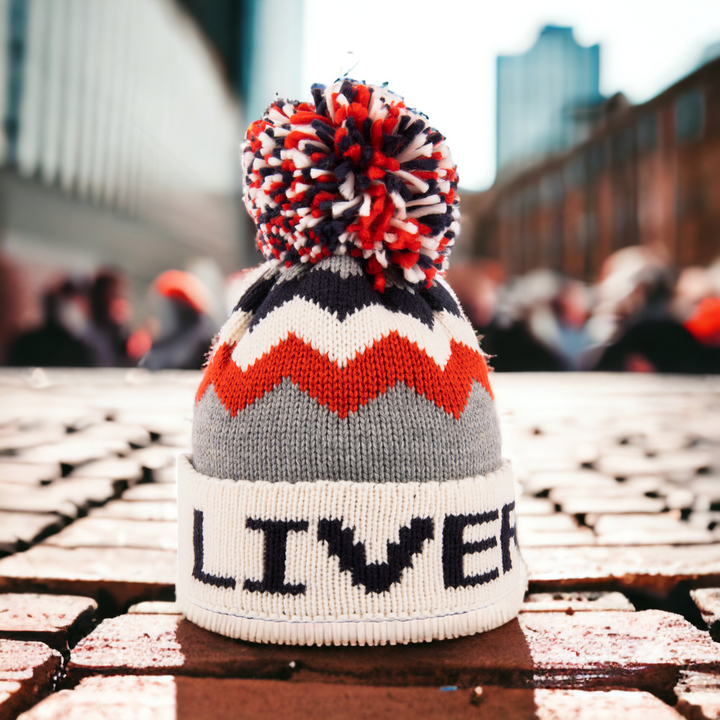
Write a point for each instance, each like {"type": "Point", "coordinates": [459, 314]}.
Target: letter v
{"type": "Point", "coordinates": [377, 577]}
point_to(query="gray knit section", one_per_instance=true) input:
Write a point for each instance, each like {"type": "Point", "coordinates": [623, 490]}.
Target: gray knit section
{"type": "Point", "coordinates": [399, 436]}
{"type": "Point", "coordinates": [342, 265]}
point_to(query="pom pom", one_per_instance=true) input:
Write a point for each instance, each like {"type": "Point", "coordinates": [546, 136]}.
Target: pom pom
{"type": "Point", "coordinates": [354, 172]}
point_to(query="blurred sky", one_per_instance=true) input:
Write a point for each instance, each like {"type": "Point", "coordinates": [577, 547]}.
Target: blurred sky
{"type": "Point", "coordinates": [440, 54]}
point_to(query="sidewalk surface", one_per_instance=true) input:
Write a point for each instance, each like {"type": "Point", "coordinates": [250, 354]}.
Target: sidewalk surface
{"type": "Point", "coordinates": [618, 522]}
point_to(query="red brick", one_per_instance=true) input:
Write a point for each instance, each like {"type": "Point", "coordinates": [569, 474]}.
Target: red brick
{"type": "Point", "coordinates": [110, 532]}
{"type": "Point", "coordinates": [27, 670]}
{"type": "Point", "coordinates": [166, 697]}
{"type": "Point", "coordinates": [56, 620]}
{"type": "Point", "coordinates": [110, 575]}
{"type": "Point", "coordinates": [591, 649]}
{"type": "Point", "coordinates": [657, 568]}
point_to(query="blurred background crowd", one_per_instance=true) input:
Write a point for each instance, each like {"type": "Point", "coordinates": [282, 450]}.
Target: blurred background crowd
{"type": "Point", "coordinates": [589, 166]}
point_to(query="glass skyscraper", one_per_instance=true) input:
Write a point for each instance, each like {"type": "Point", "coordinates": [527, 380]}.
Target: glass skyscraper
{"type": "Point", "coordinates": [539, 94]}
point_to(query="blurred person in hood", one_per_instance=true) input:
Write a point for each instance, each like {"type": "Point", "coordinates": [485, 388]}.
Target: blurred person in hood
{"type": "Point", "coordinates": [106, 333]}
{"type": "Point", "coordinates": [183, 327]}
{"type": "Point", "coordinates": [59, 342]}
{"type": "Point", "coordinates": [645, 336]}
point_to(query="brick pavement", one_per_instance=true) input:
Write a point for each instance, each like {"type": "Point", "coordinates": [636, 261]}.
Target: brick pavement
{"type": "Point", "coordinates": [618, 520]}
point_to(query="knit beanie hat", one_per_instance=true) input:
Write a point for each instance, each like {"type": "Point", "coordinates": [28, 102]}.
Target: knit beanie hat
{"type": "Point", "coordinates": [346, 484]}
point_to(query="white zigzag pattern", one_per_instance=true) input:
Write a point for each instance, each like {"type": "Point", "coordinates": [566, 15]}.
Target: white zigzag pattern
{"type": "Point", "coordinates": [343, 341]}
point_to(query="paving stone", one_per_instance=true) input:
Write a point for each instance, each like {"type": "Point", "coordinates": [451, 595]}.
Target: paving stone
{"type": "Point", "coordinates": [657, 569]}
{"type": "Point", "coordinates": [525, 505]}
{"type": "Point", "coordinates": [28, 473]}
{"type": "Point", "coordinates": [708, 602]}
{"type": "Point", "coordinates": [63, 496]}
{"type": "Point", "coordinates": [611, 505]}
{"type": "Point", "coordinates": [29, 669]}
{"type": "Point", "coordinates": [626, 466]}
{"type": "Point", "coordinates": [665, 440]}
{"type": "Point", "coordinates": [567, 538]}
{"type": "Point", "coordinates": [558, 522]}
{"type": "Point", "coordinates": [690, 460]}
{"type": "Point", "coordinates": [678, 498]}
{"type": "Point", "coordinates": [709, 520]}
{"type": "Point", "coordinates": [150, 491]}
{"type": "Point", "coordinates": [56, 620]}
{"type": "Point", "coordinates": [698, 695]}
{"type": "Point", "coordinates": [166, 698]}
{"type": "Point", "coordinates": [156, 607]}
{"type": "Point", "coordinates": [572, 602]}
{"type": "Point", "coordinates": [156, 457]}
{"type": "Point", "coordinates": [633, 487]}
{"type": "Point", "coordinates": [181, 441]}
{"type": "Point", "coordinates": [589, 649]}
{"type": "Point", "coordinates": [22, 439]}
{"type": "Point", "coordinates": [680, 461]}
{"type": "Point", "coordinates": [166, 475]}
{"type": "Point", "coordinates": [112, 468]}
{"type": "Point", "coordinates": [19, 530]}
{"type": "Point", "coordinates": [32, 500]}
{"type": "Point", "coordinates": [112, 532]}
{"type": "Point", "coordinates": [10, 698]}
{"type": "Point", "coordinates": [662, 528]}
{"type": "Point", "coordinates": [138, 510]}
{"type": "Point", "coordinates": [541, 481]}
{"type": "Point", "coordinates": [607, 705]}
{"type": "Point", "coordinates": [158, 423]}
{"type": "Point", "coordinates": [112, 576]}
{"type": "Point", "coordinates": [70, 452]}
{"type": "Point", "coordinates": [707, 486]}
{"type": "Point", "coordinates": [132, 434]}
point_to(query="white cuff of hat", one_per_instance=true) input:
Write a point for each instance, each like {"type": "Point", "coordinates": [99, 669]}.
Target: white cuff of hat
{"type": "Point", "coordinates": [348, 563]}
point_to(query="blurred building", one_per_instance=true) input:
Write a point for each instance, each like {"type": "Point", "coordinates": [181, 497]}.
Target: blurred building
{"type": "Point", "coordinates": [119, 142]}
{"type": "Point", "coordinates": [649, 174]}
{"type": "Point", "coordinates": [545, 97]}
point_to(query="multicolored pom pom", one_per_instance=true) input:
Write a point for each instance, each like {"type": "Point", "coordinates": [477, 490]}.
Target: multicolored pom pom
{"type": "Point", "coordinates": [356, 172]}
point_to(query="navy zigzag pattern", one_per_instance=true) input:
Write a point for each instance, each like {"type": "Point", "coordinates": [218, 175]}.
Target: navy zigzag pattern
{"type": "Point", "coordinates": [344, 296]}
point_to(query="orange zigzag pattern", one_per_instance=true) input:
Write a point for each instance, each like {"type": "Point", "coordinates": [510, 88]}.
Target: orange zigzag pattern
{"type": "Point", "coordinates": [343, 390]}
